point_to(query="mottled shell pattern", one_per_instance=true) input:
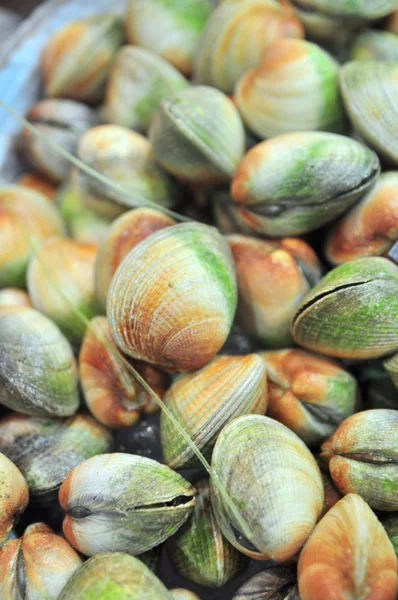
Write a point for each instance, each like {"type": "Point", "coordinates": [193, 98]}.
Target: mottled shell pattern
{"type": "Point", "coordinates": [14, 496]}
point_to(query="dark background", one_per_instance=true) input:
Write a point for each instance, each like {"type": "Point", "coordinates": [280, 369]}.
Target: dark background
{"type": "Point", "coordinates": [22, 7]}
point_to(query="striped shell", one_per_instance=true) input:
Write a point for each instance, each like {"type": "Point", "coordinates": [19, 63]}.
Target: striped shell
{"type": "Point", "coordinates": [275, 583]}
{"type": "Point", "coordinates": [348, 556]}
{"type": "Point", "coordinates": [356, 10]}
{"type": "Point", "coordinates": [205, 401]}
{"type": "Point", "coordinates": [295, 88]}
{"type": "Point", "coordinates": [172, 299]}
{"type": "Point", "coordinates": [14, 496]}
{"type": "Point", "coordinates": [274, 483]}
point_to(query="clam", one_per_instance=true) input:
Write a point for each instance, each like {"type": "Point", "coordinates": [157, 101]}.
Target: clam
{"type": "Point", "coordinates": [371, 227]}
{"type": "Point", "coordinates": [39, 564]}
{"type": "Point", "coordinates": [363, 457]}
{"type": "Point", "coordinates": [15, 297]}
{"type": "Point", "coordinates": [45, 450]}
{"type": "Point", "coordinates": [275, 583]}
{"type": "Point", "coordinates": [37, 368]}
{"type": "Point", "coordinates": [309, 394]}
{"type": "Point", "coordinates": [14, 496]}
{"type": "Point", "coordinates": [182, 594]}
{"type": "Point", "coordinates": [296, 182]}
{"type": "Point", "coordinates": [236, 36]}
{"type": "Point", "coordinates": [172, 299]}
{"type": "Point", "coordinates": [274, 483]}
{"type": "Point", "coordinates": [111, 391]}
{"type": "Point", "coordinates": [126, 159]}
{"type": "Point", "coordinates": [199, 552]}
{"type": "Point", "coordinates": [295, 88]}
{"type": "Point", "coordinates": [375, 45]}
{"type": "Point", "coordinates": [114, 575]}
{"type": "Point", "coordinates": [38, 183]}
{"type": "Point", "coordinates": [172, 29]}
{"type": "Point", "coordinates": [332, 494]}
{"type": "Point", "coordinates": [26, 219]}
{"type": "Point", "coordinates": [61, 121]}
{"type": "Point", "coordinates": [391, 527]}
{"type": "Point", "coordinates": [76, 60]}
{"type": "Point", "coordinates": [369, 90]}
{"type": "Point", "coordinates": [352, 312]}
{"type": "Point", "coordinates": [348, 555]}
{"type": "Point", "coordinates": [198, 135]}
{"type": "Point", "coordinates": [392, 22]}
{"type": "Point", "coordinates": [340, 10]}
{"type": "Point", "coordinates": [391, 366]}
{"type": "Point", "coordinates": [123, 503]}
{"type": "Point", "coordinates": [204, 401]}
{"type": "Point", "coordinates": [61, 284]}
{"type": "Point", "coordinates": [273, 277]}
{"type": "Point", "coordinates": [138, 82]}
{"type": "Point", "coordinates": [124, 234]}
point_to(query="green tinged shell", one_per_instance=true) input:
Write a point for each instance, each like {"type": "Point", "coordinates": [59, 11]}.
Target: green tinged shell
{"type": "Point", "coordinates": [273, 481]}
{"type": "Point", "coordinates": [275, 583]}
{"type": "Point", "coordinates": [391, 526]}
{"type": "Point", "coordinates": [294, 183]}
{"type": "Point", "coordinates": [114, 576]}
{"type": "Point", "coordinates": [45, 450]}
{"type": "Point", "coordinates": [204, 401]}
{"type": "Point", "coordinates": [391, 366]}
{"type": "Point", "coordinates": [123, 502]}
{"type": "Point", "coordinates": [375, 45]}
{"type": "Point", "coordinates": [369, 91]}
{"type": "Point", "coordinates": [198, 135]}
{"type": "Point", "coordinates": [138, 82]}
{"type": "Point", "coordinates": [352, 312]}
{"type": "Point", "coordinates": [199, 551]}
{"type": "Point", "coordinates": [351, 9]}
{"type": "Point", "coordinates": [38, 373]}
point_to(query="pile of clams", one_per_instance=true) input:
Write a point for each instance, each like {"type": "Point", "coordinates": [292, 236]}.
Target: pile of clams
{"type": "Point", "coordinates": [199, 324]}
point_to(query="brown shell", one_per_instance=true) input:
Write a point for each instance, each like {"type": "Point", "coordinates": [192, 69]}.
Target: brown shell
{"type": "Point", "coordinates": [39, 184]}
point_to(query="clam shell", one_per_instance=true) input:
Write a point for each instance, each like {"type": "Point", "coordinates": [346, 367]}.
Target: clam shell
{"type": "Point", "coordinates": [172, 299]}
{"type": "Point", "coordinates": [274, 483]}
{"type": "Point", "coordinates": [348, 556]}
{"type": "Point", "coordinates": [371, 227]}
{"type": "Point", "coordinates": [295, 88]}
{"type": "Point", "coordinates": [391, 527]}
{"type": "Point", "coordinates": [124, 234]}
{"type": "Point", "coordinates": [138, 82]}
{"type": "Point", "coordinates": [363, 457]}
{"type": "Point", "coordinates": [296, 182]}
{"type": "Point", "coordinates": [198, 135]}
{"type": "Point", "coordinates": [14, 496]}
{"type": "Point", "coordinates": [182, 594]}
{"type": "Point", "coordinates": [38, 183]}
{"type": "Point", "coordinates": [358, 10]}
{"type": "Point", "coordinates": [375, 45]}
{"type": "Point", "coordinates": [308, 394]}
{"type": "Point", "coordinates": [391, 366]}
{"type": "Point", "coordinates": [123, 502]}
{"type": "Point", "coordinates": [205, 401]}
{"type": "Point", "coordinates": [37, 368]}
{"type": "Point", "coordinates": [171, 29]}
{"type": "Point", "coordinates": [40, 563]}
{"type": "Point", "coordinates": [352, 312]}
{"type": "Point", "coordinates": [236, 36]}
{"type": "Point", "coordinates": [369, 91]}
{"type": "Point", "coordinates": [15, 297]}
{"type": "Point", "coordinates": [275, 583]}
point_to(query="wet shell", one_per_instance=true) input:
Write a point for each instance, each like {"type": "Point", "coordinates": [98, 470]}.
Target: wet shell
{"type": "Point", "coordinates": [371, 227]}
{"type": "Point", "coordinates": [354, 11]}
{"type": "Point", "coordinates": [205, 401]}
{"type": "Point", "coordinates": [124, 234]}
{"type": "Point", "coordinates": [172, 29]}
{"type": "Point", "coordinates": [126, 159]}
{"type": "Point", "coordinates": [348, 556]}
{"type": "Point", "coordinates": [363, 457]}
{"type": "Point", "coordinates": [15, 297]}
{"type": "Point", "coordinates": [76, 60]}
{"type": "Point", "coordinates": [275, 583]}
{"type": "Point", "coordinates": [45, 450]}
{"type": "Point", "coordinates": [39, 565]}
{"type": "Point", "coordinates": [14, 496]}
{"type": "Point", "coordinates": [26, 219]}
{"type": "Point", "coordinates": [199, 551]}
{"type": "Point", "coordinates": [375, 45]}
{"type": "Point", "coordinates": [113, 395]}
{"type": "Point", "coordinates": [61, 284]}
{"type": "Point", "coordinates": [273, 277]}
{"type": "Point", "coordinates": [391, 366]}
{"type": "Point", "coordinates": [172, 299]}
{"type": "Point", "coordinates": [274, 483]}
{"type": "Point", "coordinates": [123, 502]}
{"type": "Point", "coordinates": [369, 91]}
{"type": "Point", "coordinates": [116, 576]}
{"type": "Point", "coordinates": [352, 312]}
{"type": "Point", "coordinates": [198, 135]}
{"type": "Point", "coordinates": [236, 36]}
{"type": "Point", "coordinates": [138, 82]}
{"type": "Point", "coordinates": [181, 594]}
{"type": "Point", "coordinates": [295, 88]}
{"type": "Point", "coordinates": [37, 368]}
{"type": "Point", "coordinates": [296, 182]}
{"type": "Point", "coordinates": [308, 394]}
